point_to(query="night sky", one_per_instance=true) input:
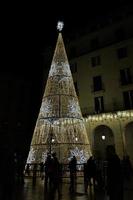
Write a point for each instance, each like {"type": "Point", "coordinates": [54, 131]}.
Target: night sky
{"type": "Point", "coordinates": [27, 28]}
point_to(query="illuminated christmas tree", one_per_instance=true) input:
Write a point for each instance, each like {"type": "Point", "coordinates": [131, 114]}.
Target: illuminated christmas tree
{"type": "Point", "coordinates": [60, 126]}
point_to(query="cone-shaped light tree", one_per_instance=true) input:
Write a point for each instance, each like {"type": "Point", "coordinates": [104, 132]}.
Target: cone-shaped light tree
{"type": "Point", "coordinates": [60, 126]}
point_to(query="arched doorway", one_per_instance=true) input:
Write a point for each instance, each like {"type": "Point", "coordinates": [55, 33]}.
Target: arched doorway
{"type": "Point", "coordinates": [129, 140]}
{"type": "Point", "coordinates": [103, 136]}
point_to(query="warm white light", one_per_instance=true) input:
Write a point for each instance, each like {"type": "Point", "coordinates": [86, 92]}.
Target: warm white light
{"type": "Point", "coordinates": [60, 25]}
{"type": "Point", "coordinates": [119, 113]}
{"type": "Point", "coordinates": [80, 154]}
{"type": "Point", "coordinates": [60, 119]}
{"type": "Point", "coordinates": [52, 140]}
{"type": "Point", "coordinates": [103, 137]}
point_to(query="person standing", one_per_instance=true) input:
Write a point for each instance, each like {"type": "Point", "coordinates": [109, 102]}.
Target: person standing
{"type": "Point", "coordinates": [90, 172]}
{"type": "Point", "coordinates": [56, 173]}
{"type": "Point", "coordinates": [48, 168]}
{"type": "Point", "coordinates": [114, 174]}
{"type": "Point", "coordinates": [73, 171]}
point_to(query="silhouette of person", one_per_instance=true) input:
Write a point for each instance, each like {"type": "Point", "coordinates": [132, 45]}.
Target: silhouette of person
{"type": "Point", "coordinates": [114, 174]}
{"type": "Point", "coordinates": [42, 170]}
{"type": "Point", "coordinates": [34, 174]}
{"type": "Point", "coordinates": [73, 170]}
{"type": "Point", "coordinates": [27, 169]}
{"type": "Point", "coordinates": [48, 168]}
{"type": "Point", "coordinates": [85, 174]}
{"type": "Point", "coordinates": [127, 168]}
{"type": "Point", "coordinates": [56, 173]}
{"type": "Point", "coordinates": [20, 167]}
{"type": "Point", "coordinates": [99, 173]}
{"type": "Point", "coordinates": [90, 172]}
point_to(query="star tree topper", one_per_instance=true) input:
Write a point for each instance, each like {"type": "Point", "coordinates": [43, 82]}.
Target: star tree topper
{"type": "Point", "coordinates": [60, 25]}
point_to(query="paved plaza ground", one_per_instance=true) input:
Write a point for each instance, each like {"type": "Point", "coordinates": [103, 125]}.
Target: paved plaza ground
{"type": "Point", "coordinates": [28, 191]}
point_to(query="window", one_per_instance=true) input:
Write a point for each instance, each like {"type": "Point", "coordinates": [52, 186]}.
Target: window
{"type": "Point", "coordinates": [73, 67]}
{"type": "Point", "coordinates": [97, 83]}
{"type": "Point", "coordinates": [125, 76]}
{"type": "Point", "coordinates": [99, 104]}
{"type": "Point", "coordinates": [95, 61]}
{"type": "Point", "coordinates": [128, 99]}
{"type": "Point", "coordinates": [122, 52]}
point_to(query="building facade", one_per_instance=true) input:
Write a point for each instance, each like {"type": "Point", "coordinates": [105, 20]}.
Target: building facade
{"type": "Point", "coordinates": [102, 66]}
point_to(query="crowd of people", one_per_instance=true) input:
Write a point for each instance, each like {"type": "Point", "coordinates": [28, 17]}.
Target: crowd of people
{"type": "Point", "coordinates": [108, 175]}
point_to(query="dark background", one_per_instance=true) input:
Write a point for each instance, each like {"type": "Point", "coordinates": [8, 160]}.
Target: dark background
{"type": "Point", "coordinates": [28, 27]}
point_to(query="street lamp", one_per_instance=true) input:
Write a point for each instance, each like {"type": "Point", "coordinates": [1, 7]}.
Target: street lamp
{"type": "Point", "coordinates": [103, 137]}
